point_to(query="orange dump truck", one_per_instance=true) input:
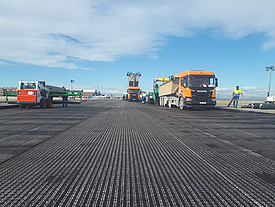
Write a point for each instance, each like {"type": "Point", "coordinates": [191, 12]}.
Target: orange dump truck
{"type": "Point", "coordinates": [192, 88]}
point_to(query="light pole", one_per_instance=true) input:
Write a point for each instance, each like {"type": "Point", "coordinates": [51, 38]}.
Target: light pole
{"type": "Point", "coordinates": [271, 68]}
{"type": "Point", "coordinates": [72, 81]}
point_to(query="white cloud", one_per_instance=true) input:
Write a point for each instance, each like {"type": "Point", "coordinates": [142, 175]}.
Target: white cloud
{"type": "Point", "coordinates": [4, 63]}
{"type": "Point", "coordinates": [253, 93]}
{"type": "Point", "coordinates": [58, 33]}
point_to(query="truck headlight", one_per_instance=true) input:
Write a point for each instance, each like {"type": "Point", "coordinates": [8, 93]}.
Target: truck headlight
{"type": "Point", "coordinates": [213, 99]}
{"type": "Point", "coordinates": [31, 93]}
{"type": "Point", "coordinates": [188, 99]}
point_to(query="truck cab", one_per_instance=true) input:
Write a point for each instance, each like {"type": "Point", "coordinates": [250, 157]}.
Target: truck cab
{"type": "Point", "coordinates": [133, 93]}
{"type": "Point", "coordinates": [197, 88]}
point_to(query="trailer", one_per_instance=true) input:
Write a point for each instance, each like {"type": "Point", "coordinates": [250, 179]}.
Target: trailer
{"type": "Point", "coordinates": [33, 93]}
{"type": "Point", "coordinates": [192, 88]}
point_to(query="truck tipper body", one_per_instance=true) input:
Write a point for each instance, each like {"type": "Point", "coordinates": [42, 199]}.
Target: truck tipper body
{"type": "Point", "coordinates": [133, 91]}
{"type": "Point", "coordinates": [190, 88]}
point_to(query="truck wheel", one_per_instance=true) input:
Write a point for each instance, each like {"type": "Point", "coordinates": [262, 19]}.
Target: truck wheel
{"type": "Point", "coordinates": [166, 103]}
{"type": "Point", "coordinates": [181, 104]}
{"type": "Point", "coordinates": [169, 104]}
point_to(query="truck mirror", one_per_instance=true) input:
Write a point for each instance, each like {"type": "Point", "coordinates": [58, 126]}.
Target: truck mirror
{"type": "Point", "coordinates": [216, 80]}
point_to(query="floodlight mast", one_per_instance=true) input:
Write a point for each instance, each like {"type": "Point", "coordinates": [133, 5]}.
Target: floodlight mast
{"type": "Point", "coordinates": [271, 68]}
{"type": "Point", "coordinates": [72, 81]}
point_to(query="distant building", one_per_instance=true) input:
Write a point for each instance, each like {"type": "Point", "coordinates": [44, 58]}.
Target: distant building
{"type": "Point", "coordinates": [91, 93]}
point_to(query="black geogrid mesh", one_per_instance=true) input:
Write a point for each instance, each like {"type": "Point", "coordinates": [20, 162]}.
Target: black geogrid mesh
{"type": "Point", "coordinates": [113, 153]}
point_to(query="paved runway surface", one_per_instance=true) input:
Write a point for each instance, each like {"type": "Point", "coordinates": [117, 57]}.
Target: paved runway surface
{"type": "Point", "coordinates": [116, 153]}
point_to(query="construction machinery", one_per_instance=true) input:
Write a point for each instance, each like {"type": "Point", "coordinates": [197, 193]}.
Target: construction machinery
{"type": "Point", "coordinates": [268, 104]}
{"type": "Point", "coordinates": [192, 88]}
{"type": "Point", "coordinates": [150, 97]}
{"type": "Point", "coordinates": [133, 91]}
{"type": "Point", "coordinates": [156, 83]}
{"type": "Point", "coordinates": [32, 93]}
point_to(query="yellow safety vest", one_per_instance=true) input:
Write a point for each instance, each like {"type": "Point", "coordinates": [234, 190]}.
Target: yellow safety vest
{"type": "Point", "coordinates": [237, 93]}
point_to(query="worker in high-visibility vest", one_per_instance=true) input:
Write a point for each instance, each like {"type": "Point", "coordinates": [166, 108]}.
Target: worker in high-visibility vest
{"type": "Point", "coordinates": [156, 93]}
{"type": "Point", "coordinates": [236, 95]}
{"type": "Point", "coordinates": [64, 98]}
{"type": "Point", "coordinates": [144, 97]}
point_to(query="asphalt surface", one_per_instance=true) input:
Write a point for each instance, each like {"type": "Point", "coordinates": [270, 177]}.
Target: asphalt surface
{"type": "Point", "coordinates": [117, 153]}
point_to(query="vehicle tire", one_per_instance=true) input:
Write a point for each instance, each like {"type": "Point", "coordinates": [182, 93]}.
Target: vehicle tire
{"type": "Point", "coordinates": [169, 104]}
{"type": "Point", "coordinates": [42, 103]}
{"type": "Point", "coordinates": [48, 103]}
{"type": "Point", "coordinates": [181, 104]}
{"type": "Point", "coordinates": [166, 103]}
{"type": "Point", "coordinates": [22, 106]}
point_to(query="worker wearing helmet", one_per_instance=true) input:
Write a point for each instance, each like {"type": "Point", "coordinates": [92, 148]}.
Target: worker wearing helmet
{"type": "Point", "coordinates": [236, 95]}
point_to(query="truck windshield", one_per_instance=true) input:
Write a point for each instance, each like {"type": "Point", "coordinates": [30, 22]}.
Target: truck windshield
{"type": "Point", "coordinates": [201, 81]}
{"type": "Point", "coordinates": [133, 90]}
{"type": "Point", "coordinates": [28, 86]}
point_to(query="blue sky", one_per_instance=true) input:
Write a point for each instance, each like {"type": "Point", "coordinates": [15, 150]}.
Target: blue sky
{"type": "Point", "coordinates": [97, 42]}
